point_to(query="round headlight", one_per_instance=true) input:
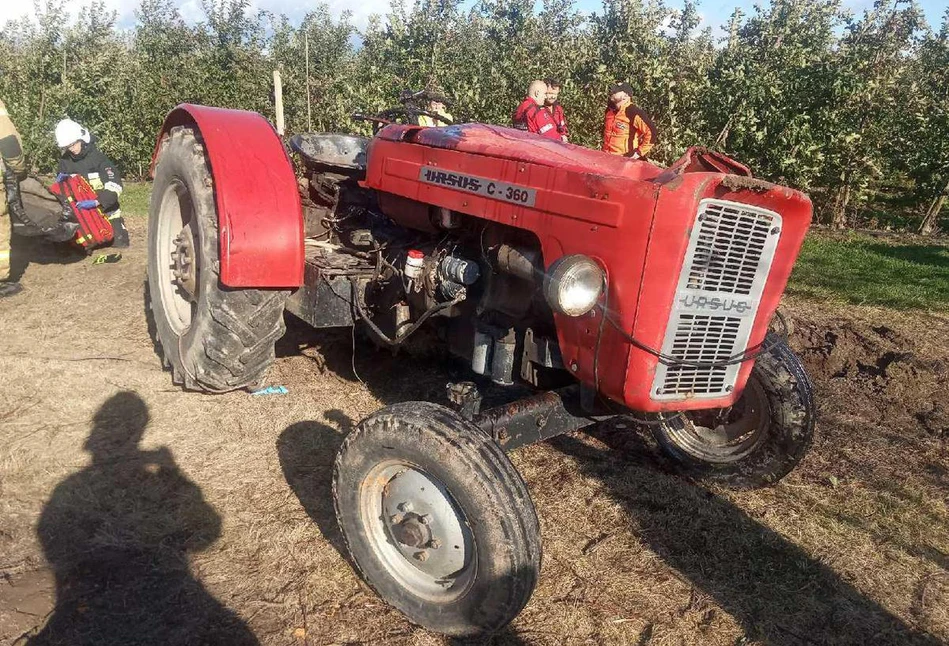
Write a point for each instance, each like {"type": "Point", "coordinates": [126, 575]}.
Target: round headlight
{"type": "Point", "coordinates": [573, 285]}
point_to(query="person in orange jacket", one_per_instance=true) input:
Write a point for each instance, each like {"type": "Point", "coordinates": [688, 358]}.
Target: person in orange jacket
{"type": "Point", "coordinates": [531, 115]}
{"type": "Point", "coordinates": [627, 129]}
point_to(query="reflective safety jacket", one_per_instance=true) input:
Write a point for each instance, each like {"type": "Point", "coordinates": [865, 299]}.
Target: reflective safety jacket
{"type": "Point", "coordinates": [11, 147]}
{"type": "Point", "coordinates": [628, 131]}
{"type": "Point", "coordinates": [425, 120]}
{"type": "Point", "coordinates": [99, 171]}
{"type": "Point", "coordinates": [534, 118]}
{"type": "Point", "coordinates": [12, 170]}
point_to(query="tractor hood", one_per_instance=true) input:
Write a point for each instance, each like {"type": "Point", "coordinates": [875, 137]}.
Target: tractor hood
{"type": "Point", "coordinates": [521, 146]}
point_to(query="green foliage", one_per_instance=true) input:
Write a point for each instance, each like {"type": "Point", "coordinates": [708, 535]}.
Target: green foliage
{"type": "Point", "coordinates": [846, 108]}
{"type": "Point", "coordinates": [868, 271]}
{"type": "Point", "coordinates": [770, 88]}
{"type": "Point", "coordinates": [135, 199]}
{"type": "Point", "coordinates": [924, 144]}
{"type": "Point", "coordinates": [867, 106]}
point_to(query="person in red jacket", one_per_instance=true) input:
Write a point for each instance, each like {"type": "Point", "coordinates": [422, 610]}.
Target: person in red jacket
{"type": "Point", "coordinates": [627, 129]}
{"type": "Point", "coordinates": [531, 115]}
{"type": "Point", "coordinates": [552, 105]}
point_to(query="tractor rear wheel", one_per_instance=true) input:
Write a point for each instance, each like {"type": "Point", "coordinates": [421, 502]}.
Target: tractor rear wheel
{"type": "Point", "coordinates": [436, 519]}
{"type": "Point", "coordinates": [759, 439]}
{"type": "Point", "coordinates": [211, 337]}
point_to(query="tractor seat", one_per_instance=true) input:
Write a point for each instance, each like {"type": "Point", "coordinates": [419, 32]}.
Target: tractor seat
{"type": "Point", "coordinates": [340, 153]}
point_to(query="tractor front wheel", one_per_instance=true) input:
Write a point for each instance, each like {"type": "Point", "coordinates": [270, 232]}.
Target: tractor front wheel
{"type": "Point", "coordinates": [437, 520]}
{"type": "Point", "coordinates": [211, 337]}
{"type": "Point", "coordinates": [757, 441]}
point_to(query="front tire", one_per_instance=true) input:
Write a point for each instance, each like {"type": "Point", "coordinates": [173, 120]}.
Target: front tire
{"type": "Point", "coordinates": [757, 441]}
{"type": "Point", "coordinates": [436, 519]}
{"type": "Point", "coordinates": [213, 338]}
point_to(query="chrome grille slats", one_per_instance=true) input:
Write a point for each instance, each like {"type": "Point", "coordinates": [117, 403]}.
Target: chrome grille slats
{"type": "Point", "coordinates": [725, 270]}
{"type": "Point", "coordinates": [701, 339]}
{"type": "Point", "coordinates": [729, 245]}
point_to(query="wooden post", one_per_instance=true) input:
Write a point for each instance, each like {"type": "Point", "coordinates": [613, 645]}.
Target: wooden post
{"type": "Point", "coordinates": [278, 100]}
{"type": "Point", "coordinates": [306, 55]}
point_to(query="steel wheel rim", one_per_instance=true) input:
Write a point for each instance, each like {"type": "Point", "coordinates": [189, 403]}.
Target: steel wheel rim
{"type": "Point", "coordinates": [399, 501]}
{"type": "Point", "coordinates": [175, 220]}
{"type": "Point", "coordinates": [735, 433]}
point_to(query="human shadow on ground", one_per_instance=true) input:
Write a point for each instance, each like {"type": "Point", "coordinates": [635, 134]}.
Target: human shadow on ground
{"type": "Point", "coordinates": [117, 536]}
{"type": "Point", "coordinates": [779, 593]}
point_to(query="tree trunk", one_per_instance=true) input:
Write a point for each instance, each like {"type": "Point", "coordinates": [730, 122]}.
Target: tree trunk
{"type": "Point", "coordinates": [839, 215]}
{"type": "Point", "coordinates": [928, 225]}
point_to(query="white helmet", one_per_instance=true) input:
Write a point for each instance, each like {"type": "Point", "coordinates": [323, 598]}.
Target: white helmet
{"type": "Point", "coordinates": [69, 132]}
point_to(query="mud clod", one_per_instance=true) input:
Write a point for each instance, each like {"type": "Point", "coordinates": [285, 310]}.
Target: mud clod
{"type": "Point", "coordinates": [893, 375]}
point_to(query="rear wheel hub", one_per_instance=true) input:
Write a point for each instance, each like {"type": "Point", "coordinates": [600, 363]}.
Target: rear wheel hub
{"type": "Point", "coordinates": [184, 267]}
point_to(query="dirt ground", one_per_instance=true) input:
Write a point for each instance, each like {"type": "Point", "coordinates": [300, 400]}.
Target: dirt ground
{"type": "Point", "coordinates": [134, 513]}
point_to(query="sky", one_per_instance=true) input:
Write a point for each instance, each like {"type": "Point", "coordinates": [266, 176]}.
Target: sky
{"type": "Point", "coordinates": [714, 12]}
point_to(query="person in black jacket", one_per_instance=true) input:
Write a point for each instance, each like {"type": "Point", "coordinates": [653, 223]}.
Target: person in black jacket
{"type": "Point", "coordinates": [81, 156]}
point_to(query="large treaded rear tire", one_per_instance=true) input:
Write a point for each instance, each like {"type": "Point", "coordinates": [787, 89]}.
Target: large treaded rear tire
{"type": "Point", "coordinates": [227, 340]}
{"type": "Point", "coordinates": [491, 502]}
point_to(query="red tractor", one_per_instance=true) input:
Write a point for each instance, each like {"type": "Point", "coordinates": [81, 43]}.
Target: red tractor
{"type": "Point", "coordinates": [609, 286]}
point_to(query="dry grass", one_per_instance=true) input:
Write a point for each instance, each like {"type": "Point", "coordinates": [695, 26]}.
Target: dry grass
{"type": "Point", "coordinates": [221, 517]}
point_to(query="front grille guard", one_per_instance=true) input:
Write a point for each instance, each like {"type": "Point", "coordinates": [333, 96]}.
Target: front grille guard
{"type": "Point", "coordinates": [726, 267]}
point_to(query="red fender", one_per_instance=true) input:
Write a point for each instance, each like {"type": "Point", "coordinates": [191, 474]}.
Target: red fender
{"type": "Point", "coordinates": [255, 188]}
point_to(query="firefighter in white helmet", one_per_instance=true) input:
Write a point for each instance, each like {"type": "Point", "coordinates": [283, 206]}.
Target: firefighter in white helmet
{"type": "Point", "coordinates": [81, 156]}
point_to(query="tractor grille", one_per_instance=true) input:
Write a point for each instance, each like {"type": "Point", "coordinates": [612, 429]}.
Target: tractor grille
{"type": "Point", "coordinates": [701, 339]}
{"type": "Point", "coordinates": [730, 241]}
{"type": "Point", "coordinates": [725, 270]}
